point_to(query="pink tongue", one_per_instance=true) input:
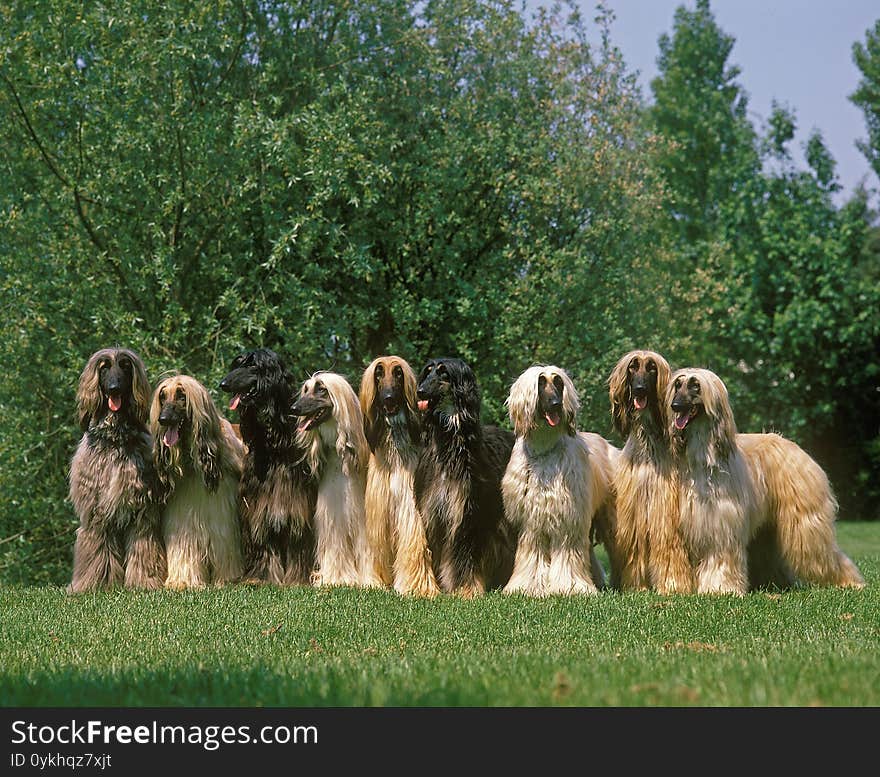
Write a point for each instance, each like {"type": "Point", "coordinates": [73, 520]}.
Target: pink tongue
{"type": "Point", "coordinates": [171, 436]}
{"type": "Point", "coordinates": [681, 420]}
{"type": "Point", "coordinates": [550, 419]}
{"type": "Point", "coordinates": [115, 402]}
{"type": "Point", "coordinates": [640, 402]}
{"type": "Point", "coordinates": [303, 425]}
{"type": "Point", "coordinates": [423, 405]}
{"type": "Point", "coordinates": [233, 404]}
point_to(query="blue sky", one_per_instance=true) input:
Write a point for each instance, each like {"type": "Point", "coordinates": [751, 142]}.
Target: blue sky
{"type": "Point", "coordinates": [798, 52]}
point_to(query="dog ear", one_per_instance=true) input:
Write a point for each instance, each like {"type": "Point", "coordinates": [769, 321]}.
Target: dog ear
{"type": "Point", "coordinates": [205, 432]}
{"type": "Point", "coordinates": [367, 399]}
{"type": "Point", "coordinates": [618, 389]}
{"type": "Point", "coordinates": [465, 391]}
{"type": "Point", "coordinates": [88, 393]}
{"type": "Point", "coordinates": [140, 387]}
{"type": "Point", "coordinates": [207, 454]}
{"type": "Point", "coordinates": [521, 402]}
{"type": "Point", "coordinates": [372, 431]}
{"type": "Point", "coordinates": [570, 402]}
{"type": "Point", "coordinates": [165, 459]}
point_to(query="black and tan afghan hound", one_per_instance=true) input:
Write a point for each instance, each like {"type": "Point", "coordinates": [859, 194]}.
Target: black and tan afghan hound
{"type": "Point", "coordinates": [458, 482]}
{"type": "Point", "coordinates": [198, 461]}
{"type": "Point", "coordinates": [277, 492]}
{"type": "Point", "coordinates": [735, 488]}
{"type": "Point", "coordinates": [393, 430]}
{"type": "Point", "coordinates": [331, 430]}
{"type": "Point", "coordinates": [556, 483]}
{"type": "Point", "coordinates": [647, 551]}
{"type": "Point", "coordinates": [113, 484]}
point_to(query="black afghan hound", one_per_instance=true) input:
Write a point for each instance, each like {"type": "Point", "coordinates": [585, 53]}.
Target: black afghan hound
{"type": "Point", "coordinates": [458, 482]}
{"type": "Point", "coordinates": [113, 484]}
{"type": "Point", "coordinates": [277, 492]}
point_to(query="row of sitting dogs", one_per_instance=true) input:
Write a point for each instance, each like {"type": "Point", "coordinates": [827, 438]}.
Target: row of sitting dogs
{"type": "Point", "coordinates": [404, 487]}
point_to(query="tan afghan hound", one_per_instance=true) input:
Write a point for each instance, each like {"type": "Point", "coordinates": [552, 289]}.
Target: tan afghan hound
{"type": "Point", "coordinates": [647, 550]}
{"type": "Point", "coordinates": [555, 483]}
{"type": "Point", "coordinates": [113, 485]}
{"type": "Point", "coordinates": [331, 431]}
{"type": "Point", "coordinates": [735, 488]}
{"type": "Point", "coordinates": [198, 460]}
{"type": "Point", "coordinates": [395, 529]}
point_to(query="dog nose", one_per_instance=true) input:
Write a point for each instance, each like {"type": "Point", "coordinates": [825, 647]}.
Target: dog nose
{"type": "Point", "coordinates": [224, 385]}
{"type": "Point", "coordinates": [166, 417]}
{"type": "Point", "coordinates": [678, 405]}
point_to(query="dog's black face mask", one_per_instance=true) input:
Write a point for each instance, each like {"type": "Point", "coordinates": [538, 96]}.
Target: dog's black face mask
{"type": "Point", "coordinates": [642, 381]}
{"type": "Point", "coordinates": [550, 394]}
{"type": "Point", "coordinates": [313, 407]}
{"type": "Point", "coordinates": [389, 388]}
{"type": "Point", "coordinates": [115, 380]}
{"type": "Point", "coordinates": [687, 403]}
{"type": "Point", "coordinates": [434, 385]}
{"type": "Point", "coordinates": [173, 416]}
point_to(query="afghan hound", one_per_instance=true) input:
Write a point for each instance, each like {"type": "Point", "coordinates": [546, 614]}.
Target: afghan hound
{"type": "Point", "coordinates": [458, 482]}
{"type": "Point", "coordinates": [735, 488]}
{"type": "Point", "coordinates": [277, 492]}
{"type": "Point", "coordinates": [331, 430]}
{"type": "Point", "coordinates": [113, 484]}
{"type": "Point", "coordinates": [198, 460]}
{"type": "Point", "coordinates": [394, 527]}
{"type": "Point", "coordinates": [555, 483]}
{"type": "Point", "coordinates": [647, 549]}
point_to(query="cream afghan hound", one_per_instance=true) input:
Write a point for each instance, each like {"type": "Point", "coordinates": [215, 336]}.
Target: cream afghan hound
{"type": "Point", "coordinates": [736, 488]}
{"type": "Point", "coordinates": [394, 527]}
{"type": "Point", "coordinates": [647, 550]}
{"type": "Point", "coordinates": [555, 483]}
{"type": "Point", "coordinates": [113, 485]}
{"type": "Point", "coordinates": [331, 431]}
{"type": "Point", "coordinates": [198, 459]}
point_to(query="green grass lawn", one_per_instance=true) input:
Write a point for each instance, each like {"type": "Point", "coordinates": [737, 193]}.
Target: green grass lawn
{"type": "Point", "coordinates": [243, 646]}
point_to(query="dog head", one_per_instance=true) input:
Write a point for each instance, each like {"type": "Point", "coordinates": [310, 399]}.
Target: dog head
{"type": "Point", "coordinates": [447, 387]}
{"type": "Point", "coordinates": [637, 385]}
{"type": "Point", "coordinates": [699, 405]}
{"type": "Point", "coordinates": [543, 397]}
{"type": "Point", "coordinates": [253, 376]}
{"type": "Point", "coordinates": [113, 381]}
{"type": "Point", "coordinates": [186, 430]}
{"type": "Point", "coordinates": [315, 405]}
{"type": "Point", "coordinates": [330, 416]}
{"type": "Point", "coordinates": [388, 399]}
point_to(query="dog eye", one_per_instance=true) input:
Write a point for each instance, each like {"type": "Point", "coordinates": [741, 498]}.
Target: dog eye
{"type": "Point", "coordinates": [557, 381]}
{"type": "Point", "coordinates": [180, 395]}
{"type": "Point", "coordinates": [380, 371]}
{"type": "Point", "coordinates": [441, 369]}
{"type": "Point", "coordinates": [652, 367]}
{"type": "Point", "coordinates": [125, 364]}
{"type": "Point", "coordinates": [398, 371]}
{"type": "Point", "coordinates": [162, 396]}
{"type": "Point", "coordinates": [634, 365]}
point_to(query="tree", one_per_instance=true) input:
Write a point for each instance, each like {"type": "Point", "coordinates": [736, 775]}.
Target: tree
{"type": "Point", "coordinates": [329, 180]}
{"type": "Point", "coordinates": [867, 96]}
{"type": "Point", "coordinates": [776, 272]}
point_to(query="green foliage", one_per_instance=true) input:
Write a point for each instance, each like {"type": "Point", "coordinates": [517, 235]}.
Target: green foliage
{"type": "Point", "coordinates": [332, 181]}
{"type": "Point", "coordinates": [339, 180]}
{"type": "Point", "coordinates": [786, 299]}
{"type": "Point", "coordinates": [867, 96]}
{"type": "Point", "coordinates": [344, 647]}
